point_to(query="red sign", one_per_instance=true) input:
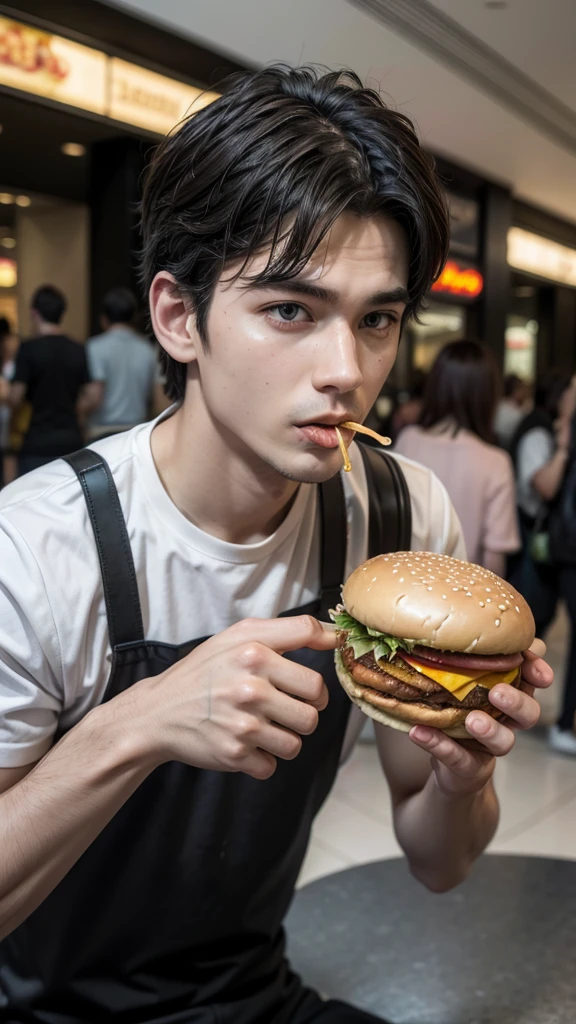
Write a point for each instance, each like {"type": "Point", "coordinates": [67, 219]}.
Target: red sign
{"type": "Point", "coordinates": [456, 279]}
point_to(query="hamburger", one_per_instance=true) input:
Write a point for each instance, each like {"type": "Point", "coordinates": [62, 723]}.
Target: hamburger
{"type": "Point", "coordinates": [422, 638]}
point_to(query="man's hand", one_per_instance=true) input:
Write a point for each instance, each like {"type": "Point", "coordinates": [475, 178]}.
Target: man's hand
{"type": "Point", "coordinates": [234, 703]}
{"type": "Point", "coordinates": [464, 767]}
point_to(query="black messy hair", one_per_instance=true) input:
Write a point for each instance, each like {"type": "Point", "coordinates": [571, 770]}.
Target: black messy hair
{"type": "Point", "coordinates": [276, 159]}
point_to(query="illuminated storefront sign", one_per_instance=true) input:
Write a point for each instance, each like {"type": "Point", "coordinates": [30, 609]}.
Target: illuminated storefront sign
{"type": "Point", "coordinates": [456, 279]}
{"type": "Point", "coordinates": [8, 273]}
{"type": "Point", "coordinates": [55, 68]}
{"type": "Point", "coordinates": [540, 256]}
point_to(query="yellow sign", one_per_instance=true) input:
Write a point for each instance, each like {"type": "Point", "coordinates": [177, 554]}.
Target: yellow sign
{"type": "Point", "coordinates": [149, 100]}
{"type": "Point", "coordinates": [56, 68]}
{"type": "Point", "coordinates": [49, 66]}
{"type": "Point", "coordinates": [540, 256]}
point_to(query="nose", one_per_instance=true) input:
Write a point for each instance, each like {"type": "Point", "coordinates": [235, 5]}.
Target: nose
{"type": "Point", "coordinates": [337, 367]}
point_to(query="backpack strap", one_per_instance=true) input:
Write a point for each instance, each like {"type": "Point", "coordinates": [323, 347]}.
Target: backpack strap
{"type": "Point", "coordinates": [390, 508]}
{"type": "Point", "coordinates": [113, 546]}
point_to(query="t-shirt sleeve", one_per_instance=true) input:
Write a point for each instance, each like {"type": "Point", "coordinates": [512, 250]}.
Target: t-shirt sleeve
{"type": "Point", "coordinates": [501, 520]}
{"type": "Point", "coordinates": [95, 362]}
{"type": "Point", "coordinates": [21, 373]}
{"type": "Point", "coordinates": [30, 664]}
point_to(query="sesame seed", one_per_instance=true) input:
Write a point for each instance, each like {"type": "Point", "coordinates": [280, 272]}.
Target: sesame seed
{"type": "Point", "coordinates": [517, 608]}
{"type": "Point", "coordinates": [487, 590]}
{"type": "Point", "coordinates": [429, 588]}
{"type": "Point", "coordinates": [488, 600]}
{"type": "Point", "coordinates": [374, 578]}
{"type": "Point", "coordinates": [443, 597]}
{"type": "Point", "coordinates": [455, 588]}
{"type": "Point", "coordinates": [394, 570]}
{"type": "Point", "coordinates": [497, 622]}
{"type": "Point", "coordinates": [502, 607]}
{"type": "Point", "coordinates": [482, 605]}
{"type": "Point", "coordinates": [401, 580]}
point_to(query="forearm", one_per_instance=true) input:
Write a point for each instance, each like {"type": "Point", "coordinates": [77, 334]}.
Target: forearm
{"type": "Point", "coordinates": [442, 835]}
{"type": "Point", "coordinates": [547, 480]}
{"type": "Point", "coordinates": [50, 818]}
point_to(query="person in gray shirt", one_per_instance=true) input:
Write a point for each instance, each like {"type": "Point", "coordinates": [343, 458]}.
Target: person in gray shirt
{"type": "Point", "coordinates": [125, 364]}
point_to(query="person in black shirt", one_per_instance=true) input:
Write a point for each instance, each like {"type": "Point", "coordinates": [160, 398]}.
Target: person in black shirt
{"type": "Point", "coordinates": [52, 376]}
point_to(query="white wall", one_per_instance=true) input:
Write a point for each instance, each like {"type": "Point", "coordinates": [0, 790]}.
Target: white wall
{"type": "Point", "coordinates": [53, 247]}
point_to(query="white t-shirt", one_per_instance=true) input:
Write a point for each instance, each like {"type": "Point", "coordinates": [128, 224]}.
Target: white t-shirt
{"type": "Point", "coordinates": [54, 652]}
{"type": "Point", "coordinates": [535, 449]}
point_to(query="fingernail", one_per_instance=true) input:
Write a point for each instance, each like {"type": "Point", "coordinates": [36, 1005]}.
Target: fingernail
{"type": "Point", "coordinates": [480, 725]}
{"type": "Point", "coordinates": [501, 696]}
{"type": "Point", "coordinates": [422, 733]}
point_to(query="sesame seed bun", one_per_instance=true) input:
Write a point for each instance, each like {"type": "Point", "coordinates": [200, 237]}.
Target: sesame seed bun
{"type": "Point", "coordinates": [440, 602]}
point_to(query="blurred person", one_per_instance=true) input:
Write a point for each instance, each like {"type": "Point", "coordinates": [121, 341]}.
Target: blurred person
{"type": "Point", "coordinates": [553, 484]}
{"type": "Point", "coordinates": [540, 449]}
{"type": "Point", "coordinates": [51, 374]}
{"type": "Point", "coordinates": [454, 438]}
{"type": "Point", "coordinates": [511, 409]}
{"type": "Point", "coordinates": [8, 349]}
{"type": "Point", "coordinates": [123, 363]}
{"type": "Point", "coordinates": [408, 412]}
{"type": "Point", "coordinates": [161, 763]}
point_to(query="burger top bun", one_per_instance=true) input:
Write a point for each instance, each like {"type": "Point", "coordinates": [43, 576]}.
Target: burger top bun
{"type": "Point", "coordinates": [440, 602]}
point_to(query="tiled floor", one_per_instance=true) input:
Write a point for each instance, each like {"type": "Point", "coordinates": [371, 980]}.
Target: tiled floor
{"type": "Point", "coordinates": [537, 791]}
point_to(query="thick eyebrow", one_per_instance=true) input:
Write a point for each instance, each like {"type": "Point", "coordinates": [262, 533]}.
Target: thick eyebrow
{"type": "Point", "coordinates": [328, 295]}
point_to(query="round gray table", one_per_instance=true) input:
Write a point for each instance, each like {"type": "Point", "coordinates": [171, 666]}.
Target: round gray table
{"type": "Point", "coordinates": [499, 949]}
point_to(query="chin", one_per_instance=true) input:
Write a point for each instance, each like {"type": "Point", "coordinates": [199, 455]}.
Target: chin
{"type": "Point", "coordinates": [307, 468]}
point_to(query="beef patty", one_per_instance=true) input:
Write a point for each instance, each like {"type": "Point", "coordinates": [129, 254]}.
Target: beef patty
{"type": "Point", "coordinates": [367, 672]}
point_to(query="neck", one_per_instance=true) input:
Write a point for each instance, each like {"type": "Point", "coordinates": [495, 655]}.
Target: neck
{"type": "Point", "coordinates": [218, 485]}
{"type": "Point", "coordinates": [45, 328]}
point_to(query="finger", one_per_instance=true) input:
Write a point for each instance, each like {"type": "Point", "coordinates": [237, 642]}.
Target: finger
{"type": "Point", "coordinates": [267, 667]}
{"type": "Point", "coordinates": [288, 634]}
{"type": "Point", "coordinates": [298, 715]}
{"type": "Point", "coordinates": [497, 738]}
{"type": "Point", "coordinates": [461, 760]}
{"type": "Point", "coordinates": [280, 742]}
{"type": "Point", "coordinates": [538, 648]}
{"type": "Point", "coordinates": [536, 671]}
{"type": "Point", "coordinates": [259, 764]}
{"type": "Point", "coordinates": [517, 705]}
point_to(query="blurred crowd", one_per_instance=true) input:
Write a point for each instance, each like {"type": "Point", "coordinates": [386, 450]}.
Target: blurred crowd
{"type": "Point", "coordinates": [506, 453]}
{"type": "Point", "coordinates": [504, 450]}
{"type": "Point", "coordinates": [56, 395]}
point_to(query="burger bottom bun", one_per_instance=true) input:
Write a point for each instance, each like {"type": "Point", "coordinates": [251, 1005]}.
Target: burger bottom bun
{"type": "Point", "coordinates": [402, 715]}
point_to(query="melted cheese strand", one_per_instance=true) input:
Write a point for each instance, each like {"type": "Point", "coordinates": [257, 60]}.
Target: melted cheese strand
{"type": "Point", "coordinates": [343, 450]}
{"type": "Point", "coordinates": [361, 429]}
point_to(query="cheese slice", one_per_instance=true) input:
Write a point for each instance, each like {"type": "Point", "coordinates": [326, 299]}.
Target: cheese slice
{"type": "Point", "coordinates": [461, 683]}
{"type": "Point", "coordinates": [487, 681]}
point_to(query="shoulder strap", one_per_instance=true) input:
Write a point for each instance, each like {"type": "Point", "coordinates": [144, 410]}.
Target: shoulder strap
{"type": "Point", "coordinates": [114, 552]}
{"type": "Point", "coordinates": [390, 509]}
{"type": "Point", "coordinates": [333, 543]}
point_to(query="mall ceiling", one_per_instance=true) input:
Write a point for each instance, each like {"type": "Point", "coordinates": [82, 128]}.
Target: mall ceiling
{"type": "Point", "coordinates": [490, 83]}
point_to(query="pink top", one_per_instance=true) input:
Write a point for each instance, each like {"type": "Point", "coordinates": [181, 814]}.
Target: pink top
{"type": "Point", "coordinates": [479, 479]}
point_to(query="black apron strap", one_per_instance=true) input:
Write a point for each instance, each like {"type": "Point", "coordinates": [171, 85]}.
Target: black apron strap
{"type": "Point", "coordinates": [390, 509]}
{"type": "Point", "coordinates": [116, 562]}
{"type": "Point", "coordinates": [333, 543]}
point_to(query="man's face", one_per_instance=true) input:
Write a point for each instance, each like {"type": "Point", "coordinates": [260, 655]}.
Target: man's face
{"type": "Point", "coordinates": [287, 362]}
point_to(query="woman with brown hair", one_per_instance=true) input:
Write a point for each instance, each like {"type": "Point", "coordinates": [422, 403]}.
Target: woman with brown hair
{"type": "Point", "coordinates": [454, 438]}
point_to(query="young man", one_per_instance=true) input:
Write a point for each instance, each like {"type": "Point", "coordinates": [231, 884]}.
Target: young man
{"type": "Point", "coordinates": [124, 365]}
{"type": "Point", "coordinates": [52, 375]}
{"type": "Point", "coordinates": [162, 761]}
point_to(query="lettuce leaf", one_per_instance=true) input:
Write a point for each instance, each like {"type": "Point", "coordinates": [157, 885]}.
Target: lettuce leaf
{"type": "Point", "coordinates": [363, 639]}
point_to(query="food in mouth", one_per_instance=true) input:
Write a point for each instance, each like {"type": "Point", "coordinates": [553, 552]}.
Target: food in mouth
{"type": "Point", "coordinates": [423, 638]}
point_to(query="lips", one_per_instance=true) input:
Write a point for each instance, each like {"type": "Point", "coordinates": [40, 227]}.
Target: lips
{"type": "Point", "coordinates": [324, 435]}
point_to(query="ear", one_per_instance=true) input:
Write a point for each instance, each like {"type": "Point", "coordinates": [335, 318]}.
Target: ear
{"type": "Point", "coordinates": [172, 319]}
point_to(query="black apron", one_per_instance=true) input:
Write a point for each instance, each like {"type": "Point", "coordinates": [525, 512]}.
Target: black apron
{"type": "Point", "coordinates": [174, 913]}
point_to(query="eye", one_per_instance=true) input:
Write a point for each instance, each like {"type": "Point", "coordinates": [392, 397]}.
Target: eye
{"type": "Point", "coordinates": [287, 313]}
{"type": "Point", "coordinates": [379, 320]}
